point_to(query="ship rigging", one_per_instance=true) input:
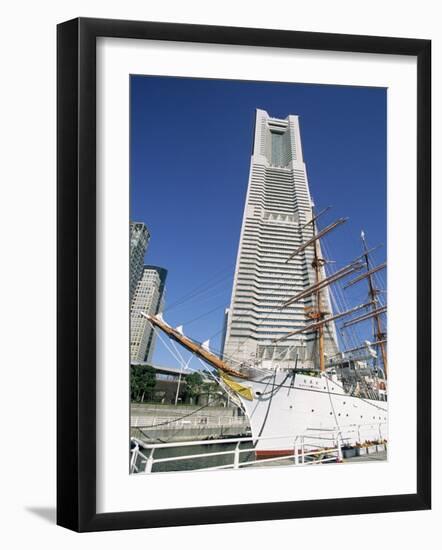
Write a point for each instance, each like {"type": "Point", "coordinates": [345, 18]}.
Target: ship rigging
{"type": "Point", "coordinates": [316, 392]}
{"type": "Point", "coordinates": [318, 314]}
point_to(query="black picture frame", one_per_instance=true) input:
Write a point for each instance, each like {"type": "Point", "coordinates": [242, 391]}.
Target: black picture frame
{"type": "Point", "coordinates": [76, 274]}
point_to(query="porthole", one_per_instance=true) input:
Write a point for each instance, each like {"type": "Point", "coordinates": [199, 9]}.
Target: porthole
{"type": "Point", "coordinates": [258, 393]}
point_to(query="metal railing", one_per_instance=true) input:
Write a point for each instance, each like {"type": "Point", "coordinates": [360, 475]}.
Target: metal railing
{"type": "Point", "coordinates": [314, 446]}
{"type": "Point", "coordinates": [329, 449]}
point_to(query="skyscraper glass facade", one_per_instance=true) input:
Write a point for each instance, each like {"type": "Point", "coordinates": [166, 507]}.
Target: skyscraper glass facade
{"type": "Point", "coordinates": [139, 239]}
{"type": "Point", "coordinates": [148, 298]}
{"type": "Point", "coordinates": [278, 205]}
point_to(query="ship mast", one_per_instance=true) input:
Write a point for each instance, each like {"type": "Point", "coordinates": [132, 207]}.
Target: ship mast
{"type": "Point", "coordinates": [379, 334]}
{"type": "Point", "coordinates": [318, 314]}
{"type": "Point", "coordinates": [198, 349]}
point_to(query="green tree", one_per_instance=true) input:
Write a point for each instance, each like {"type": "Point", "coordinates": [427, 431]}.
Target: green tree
{"type": "Point", "coordinates": [142, 382]}
{"type": "Point", "coordinates": [193, 385]}
{"type": "Point", "coordinates": [209, 388]}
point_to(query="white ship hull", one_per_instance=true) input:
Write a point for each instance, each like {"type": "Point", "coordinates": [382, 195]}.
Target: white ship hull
{"type": "Point", "coordinates": [286, 406]}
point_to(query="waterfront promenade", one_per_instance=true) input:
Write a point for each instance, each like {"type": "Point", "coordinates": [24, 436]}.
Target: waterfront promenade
{"type": "Point", "coordinates": [186, 422]}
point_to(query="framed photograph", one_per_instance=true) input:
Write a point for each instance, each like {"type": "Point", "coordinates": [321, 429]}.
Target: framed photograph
{"type": "Point", "coordinates": [230, 202]}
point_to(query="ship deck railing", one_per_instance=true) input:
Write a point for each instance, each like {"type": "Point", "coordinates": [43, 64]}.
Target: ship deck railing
{"type": "Point", "coordinates": [314, 446]}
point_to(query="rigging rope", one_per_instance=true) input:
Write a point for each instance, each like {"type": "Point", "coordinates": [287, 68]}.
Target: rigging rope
{"type": "Point", "coordinates": [179, 418]}
{"type": "Point", "coordinates": [200, 289]}
{"type": "Point", "coordinates": [340, 297]}
{"type": "Point", "coordinates": [192, 320]}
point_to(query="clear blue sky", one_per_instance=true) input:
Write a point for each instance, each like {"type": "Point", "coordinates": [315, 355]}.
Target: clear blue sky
{"type": "Point", "coordinates": [191, 142]}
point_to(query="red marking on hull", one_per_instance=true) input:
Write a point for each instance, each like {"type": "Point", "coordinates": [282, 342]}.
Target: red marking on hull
{"type": "Point", "coordinates": [273, 453]}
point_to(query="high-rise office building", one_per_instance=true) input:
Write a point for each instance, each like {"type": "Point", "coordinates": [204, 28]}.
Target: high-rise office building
{"type": "Point", "coordinates": [139, 239]}
{"type": "Point", "coordinates": [149, 298]}
{"type": "Point", "coordinates": [278, 205]}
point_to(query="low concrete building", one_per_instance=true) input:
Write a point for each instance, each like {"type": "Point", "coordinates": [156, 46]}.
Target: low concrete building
{"type": "Point", "coordinates": [171, 383]}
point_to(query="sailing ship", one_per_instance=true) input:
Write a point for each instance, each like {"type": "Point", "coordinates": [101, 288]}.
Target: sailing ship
{"type": "Point", "coordinates": [318, 393]}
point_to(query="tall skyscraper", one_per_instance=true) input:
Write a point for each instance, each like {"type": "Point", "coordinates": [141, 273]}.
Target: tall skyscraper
{"type": "Point", "coordinates": [278, 205]}
{"type": "Point", "coordinates": [149, 298]}
{"type": "Point", "coordinates": [139, 239]}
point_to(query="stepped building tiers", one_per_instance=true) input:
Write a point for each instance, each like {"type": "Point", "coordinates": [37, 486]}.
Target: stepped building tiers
{"type": "Point", "coordinates": [278, 207]}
